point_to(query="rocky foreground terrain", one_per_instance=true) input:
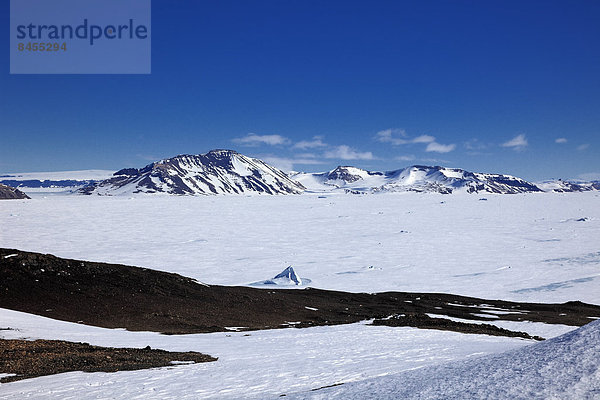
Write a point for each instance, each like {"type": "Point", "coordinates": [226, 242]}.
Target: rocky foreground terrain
{"type": "Point", "coordinates": [28, 359]}
{"type": "Point", "coordinates": [138, 299]}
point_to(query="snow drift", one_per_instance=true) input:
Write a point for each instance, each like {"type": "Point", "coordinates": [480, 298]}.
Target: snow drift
{"type": "Point", "coordinates": [566, 367]}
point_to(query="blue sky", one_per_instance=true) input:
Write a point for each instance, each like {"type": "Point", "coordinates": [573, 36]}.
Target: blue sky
{"type": "Point", "coordinates": [490, 86]}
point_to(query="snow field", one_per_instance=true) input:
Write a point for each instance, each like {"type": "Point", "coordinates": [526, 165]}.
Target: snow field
{"type": "Point", "coordinates": [534, 247]}
{"type": "Point", "coordinates": [261, 363]}
{"type": "Point", "coordinates": [516, 247]}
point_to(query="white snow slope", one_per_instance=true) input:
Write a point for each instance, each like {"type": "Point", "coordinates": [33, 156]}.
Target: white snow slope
{"type": "Point", "coordinates": [566, 367]}
{"type": "Point", "coordinates": [261, 364]}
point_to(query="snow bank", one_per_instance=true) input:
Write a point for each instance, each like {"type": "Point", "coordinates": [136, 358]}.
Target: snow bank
{"type": "Point", "coordinates": [566, 367]}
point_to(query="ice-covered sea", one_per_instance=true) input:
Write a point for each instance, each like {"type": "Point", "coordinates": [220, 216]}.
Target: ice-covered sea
{"type": "Point", "coordinates": [533, 247]}
{"type": "Point", "coordinates": [538, 247]}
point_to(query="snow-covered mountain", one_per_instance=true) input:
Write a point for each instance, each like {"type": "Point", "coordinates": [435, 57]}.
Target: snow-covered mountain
{"type": "Point", "coordinates": [216, 172]}
{"type": "Point", "coordinates": [561, 186]}
{"type": "Point", "coordinates": [229, 172]}
{"type": "Point", "coordinates": [416, 178]}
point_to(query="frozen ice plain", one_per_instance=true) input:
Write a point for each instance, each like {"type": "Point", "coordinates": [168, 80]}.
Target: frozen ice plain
{"type": "Point", "coordinates": [530, 247]}
{"type": "Point", "coordinates": [541, 247]}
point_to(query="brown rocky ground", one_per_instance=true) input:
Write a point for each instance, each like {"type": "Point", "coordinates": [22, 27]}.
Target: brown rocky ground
{"type": "Point", "coordinates": [28, 359]}
{"type": "Point", "coordinates": [424, 321]}
{"type": "Point", "coordinates": [119, 296]}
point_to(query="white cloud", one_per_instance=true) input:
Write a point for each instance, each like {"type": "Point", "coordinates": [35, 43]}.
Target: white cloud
{"type": "Point", "coordinates": [317, 141]}
{"type": "Point", "coordinates": [391, 136]}
{"type": "Point", "coordinates": [287, 164]}
{"type": "Point", "coordinates": [518, 143]}
{"type": "Point", "coordinates": [440, 148]}
{"type": "Point", "coordinates": [147, 157]}
{"type": "Point", "coordinates": [344, 152]}
{"type": "Point", "coordinates": [405, 158]}
{"type": "Point", "coordinates": [423, 139]}
{"type": "Point", "coordinates": [435, 160]}
{"type": "Point", "coordinates": [475, 145]}
{"type": "Point", "coordinates": [388, 136]}
{"type": "Point", "coordinates": [583, 147]}
{"type": "Point", "coordinates": [561, 140]}
{"type": "Point", "coordinates": [253, 139]}
{"type": "Point", "coordinates": [306, 155]}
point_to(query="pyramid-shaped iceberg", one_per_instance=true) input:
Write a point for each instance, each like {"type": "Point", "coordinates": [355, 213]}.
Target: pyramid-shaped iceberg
{"type": "Point", "coordinates": [287, 277]}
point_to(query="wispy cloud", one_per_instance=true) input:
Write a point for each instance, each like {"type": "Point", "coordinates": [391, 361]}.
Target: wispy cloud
{"type": "Point", "coordinates": [147, 157]}
{"type": "Point", "coordinates": [434, 160]}
{"type": "Point", "coordinates": [288, 164]}
{"type": "Point", "coordinates": [344, 152]}
{"type": "Point", "coordinates": [590, 176]}
{"type": "Point", "coordinates": [423, 139]}
{"type": "Point", "coordinates": [391, 136]}
{"type": "Point", "coordinates": [252, 139]}
{"type": "Point", "coordinates": [306, 155]}
{"type": "Point", "coordinates": [517, 143]}
{"type": "Point", "coordinates": [583, 147]}
{"type": "Point", "coordinates": [399, 137]}
{"type": "Point", "coordinates": [406, 158]}
{"type": "Point", "coordinates": [440, 148]}
{"type": "Point", "coordinates": [317, 141]}
{"type": "Point", "coordinates": [561, 140]}
{"type": "Point", "coordinates": [475, 145]}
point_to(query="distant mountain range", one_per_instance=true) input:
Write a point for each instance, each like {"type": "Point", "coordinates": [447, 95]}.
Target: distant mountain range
{"type": "Point", "coordinates": [54, 181]}
{"type": "Point", "coordinates": [417, 178]}
{"type": "Point", "coordinates": [229, 172]}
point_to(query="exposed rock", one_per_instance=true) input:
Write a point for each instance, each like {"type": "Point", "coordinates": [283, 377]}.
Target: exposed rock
{"type": "Point", "coordinates": [8, 192]}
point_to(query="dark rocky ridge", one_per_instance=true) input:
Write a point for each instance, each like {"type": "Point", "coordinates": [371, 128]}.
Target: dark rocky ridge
{"type": "Point", "coordinates": [118, 296]}
{"type": "Point", "coordinates": [424, 321]}
{"type": "Point", "coordinates": [10, 193]}
{"type": "Point", "coordinates": [28, 359]}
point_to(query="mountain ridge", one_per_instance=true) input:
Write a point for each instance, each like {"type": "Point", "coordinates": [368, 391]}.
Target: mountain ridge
{"type": "Point", "coordinates": [223, 171]}
{"type": "Point", "coordinates": [415, 178]}
{"type": "Point", "coordinates": [216, 172]}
